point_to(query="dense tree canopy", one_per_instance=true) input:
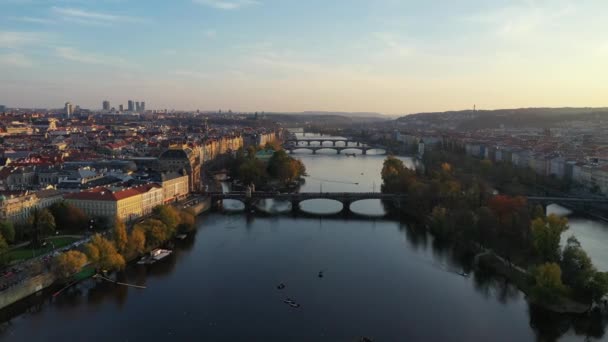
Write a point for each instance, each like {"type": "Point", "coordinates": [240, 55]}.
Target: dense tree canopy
{"type": "Point", "coordinates": [546, 235]}
{"type": "Point", "coordinates": [69, 263]}
{"type": "Point", "coordinates": [8, 231]}
{"type": "Point", "coordinates": [103, 254]}
{"type": "Point", "coordinates": [69, 218]}
{"type": "Point", "coordinates": [548, 283]}
{"type": "Point", "coordinates": [41, 223]}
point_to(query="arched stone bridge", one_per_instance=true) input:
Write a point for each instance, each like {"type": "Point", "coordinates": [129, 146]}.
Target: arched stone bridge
{"type": "Point", "coordinates": [346, 198]}
{"type": "Point", "coordinates": [339, 149]}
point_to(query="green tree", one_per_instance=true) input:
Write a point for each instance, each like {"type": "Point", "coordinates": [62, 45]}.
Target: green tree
{"type": "Point", "coordinates": [253, 171]}
{"type": "Point", "coordinates": [69, 263]}
{"type": "Point", "coordinates": [120, 234]}
{"type": "Point", "coordinates": [103, 254]}
{"type": "Point", "coordinates": [440, 223]}
{"type": "Point", "coordinates": [546, 235]}
{"type": "Point", "coordinates": [8, 231]}
{"type": "Point", "coordinates": [3, 251]}
{"type": "Point", "coordinates": [42, 224]}
{"type": "Point", "coordinates": [548, 285]}
{"type": "Point", "coordinates": [168, 215]}
{"type": "Point", "coordinates": [68, 217]}
{"type": "Point", "coordinates": [156, 232]}
{"type": "Point", "coordinates": [187, 221]}
{"type": "Point", "coordinates": [579, 273]}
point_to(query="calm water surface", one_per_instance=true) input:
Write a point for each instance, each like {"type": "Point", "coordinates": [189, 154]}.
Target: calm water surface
{"type": "Point", "coordinates": [382, 279]}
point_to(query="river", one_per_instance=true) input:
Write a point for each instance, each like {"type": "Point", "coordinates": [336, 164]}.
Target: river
{"type": "Point", "coordinates": [382, 279]}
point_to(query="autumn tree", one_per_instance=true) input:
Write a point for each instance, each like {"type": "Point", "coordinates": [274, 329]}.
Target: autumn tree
{"type": "Point", "coordinates": [156, 232]}
{"type": "Point", "coordinates": [546, 235]}
{"type": "Point", "coordinates": [103, 254]}
{"type": "Point", "coordinates": [69, 263]}
{"type": "Point", "coordinates": [396, 178]}
{"type": "Point", "coordinates": [548, 283]}
{"type": "Point", "coordinates": [120, 234]}
{"type": "Point", "coordinates": [137, 242]}
{"type": "Point", "coordinates": [168, 215]}
{"type": "Point", "coordinates": [8, 231]}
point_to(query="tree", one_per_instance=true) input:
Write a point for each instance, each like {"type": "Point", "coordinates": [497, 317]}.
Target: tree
{"type": "Point", "coordinates": [580, 274]}
{"type": "Point", "coordinates": [137, 241]}
{"type": "Point", "coordinates": [103, 254]}
{"type": "Point", "coordinates": [8, 231]}
{"type": "Point", "coordinates": [285, 168]}
{"type": "Point", "coordinates": [546, 234]}
{"type": "Point", "coordinates": [548, 283]}
{"type": "Point", "coordinates": [187, 221]}
{"type": "Point", "coordinates": [168, 215]}
{"type": "Point", "coordinates": [42, 224]}
{"type": "Point", "coordinates": [3, 250]}
{"type": "Point", "coordinates": [156, 232]}
{"type": "Point", "coordinates": [68, 217]}
{"type": "Point", "coordinates": [396, 178]}
{"type": "Point", "coordinates": [440, 224]}
{"type": "Point", "coordinates": [67, 264]}
{"type": "Point", "coordinates": [120, 234]}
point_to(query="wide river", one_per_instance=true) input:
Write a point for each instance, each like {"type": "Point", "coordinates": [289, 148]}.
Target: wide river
{"type": "Point", "coordinates": [382, 279]}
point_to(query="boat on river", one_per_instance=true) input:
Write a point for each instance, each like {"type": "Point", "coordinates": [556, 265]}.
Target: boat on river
{"type": "Point", "coordinates": [154, 256]}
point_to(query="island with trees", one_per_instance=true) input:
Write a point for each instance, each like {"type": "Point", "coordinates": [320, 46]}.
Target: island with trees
{"type": "Point", "coordinates": [457, 202]}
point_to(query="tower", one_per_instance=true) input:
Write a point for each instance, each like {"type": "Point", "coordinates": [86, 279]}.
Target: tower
{"type": "Point", "coordinates": [131, 106]}
{"type": "Point", "coordinates": [68, 109]}
{"type": "Point", "coordinates": [106, 105]}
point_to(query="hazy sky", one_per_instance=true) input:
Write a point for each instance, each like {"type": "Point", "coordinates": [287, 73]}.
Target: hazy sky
{"type": "Point", "coordinates": [392, 56]}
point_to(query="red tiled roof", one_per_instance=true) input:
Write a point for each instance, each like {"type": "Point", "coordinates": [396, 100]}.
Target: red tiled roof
{"type": "Point", "coordinates": [102, 194]}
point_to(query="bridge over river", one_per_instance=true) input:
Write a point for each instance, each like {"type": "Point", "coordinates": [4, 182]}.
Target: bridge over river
{"type": "Point", "coordinates": [334, 143]}
{"type": "Point", "coordinates": [347, 198]}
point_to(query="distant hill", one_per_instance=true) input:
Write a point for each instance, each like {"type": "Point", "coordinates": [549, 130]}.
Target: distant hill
{"type": "Point", "coordinates": [521, 117]}
{"type": "Point", "coordinates": [347, 114]}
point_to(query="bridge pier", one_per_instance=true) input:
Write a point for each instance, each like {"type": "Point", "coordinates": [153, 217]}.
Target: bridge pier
{"type": "Point", "coordinates": [295, 206]}
{"type": "Point", "coordinates": [346, 208]}
{"type": "Point", "coordinates": [364, 151]}
{"type": "Point", "coordinates": [314, 151]}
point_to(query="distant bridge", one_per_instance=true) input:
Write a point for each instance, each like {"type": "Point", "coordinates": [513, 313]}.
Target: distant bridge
{"type": "Point", "coordinates": [347, 198]}
{"type": "Point", "coordinates": [320, 143]}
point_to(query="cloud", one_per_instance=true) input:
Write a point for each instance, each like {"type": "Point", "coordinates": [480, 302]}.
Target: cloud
{"type": "Point", "coordinates": [227, 4]}
{"type": "Point", "coordinates": [72, 54]}
{"type": "Point", "coordinates": [189, 74]}
{"type": "Point", "coordinates": [90, 17]}
{"type": "Point", "coordinates": [33, 20]}
{"type": "Point", "coordinates": [15, 39]}
{"type": "Point", "coordinates": [15, 60]}
{"type": "Point", "coordinates": [522, 19]}
{"type": "Point", "coordinates": [210, 33]}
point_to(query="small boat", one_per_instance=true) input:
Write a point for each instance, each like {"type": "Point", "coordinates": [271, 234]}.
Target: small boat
{"type": "Point", "coordinates": [320, 274]}
{"type": "Point", "coordinates": [154, 256]}
{"type": "Point", "coordinates": [288, 301]}
{"type": "Point", "coordinates": [281, 286]}
{"type": "Point", "coordinates": [181, 236]}
{"type": "Point", "coordinates": [294, 305]}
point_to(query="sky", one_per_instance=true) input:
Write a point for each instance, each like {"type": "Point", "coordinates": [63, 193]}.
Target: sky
{"type": "Point", "coordinates": [390, 56]}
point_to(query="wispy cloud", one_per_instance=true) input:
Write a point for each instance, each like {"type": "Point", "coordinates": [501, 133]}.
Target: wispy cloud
{"type": "Point", "coordinates": [227, 4]}
{"type": "Point", "coordinates": [34, 20]}
{"type": "Point", "coordinates": [189, 74]}
{"type": "Point", "coordinates": [517, 20]}
{"type": "Point", "coordinates": [15, 39]}
{"type": "Point", "coordinates": [90, 17]}
{"type": "Point", "coordinates": [72, 54]}
{"type": "Point", "coordinates": [15, 60]}
{"type": "Point", "coordinates": [210, 33]}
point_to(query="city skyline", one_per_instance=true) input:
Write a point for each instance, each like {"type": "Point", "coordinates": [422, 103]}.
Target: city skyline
{"type": "Point", "coordinates": [393, 57]}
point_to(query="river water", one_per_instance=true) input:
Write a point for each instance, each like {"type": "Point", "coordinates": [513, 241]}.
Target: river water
{"type": "Point", "coordinates": [382, 279]}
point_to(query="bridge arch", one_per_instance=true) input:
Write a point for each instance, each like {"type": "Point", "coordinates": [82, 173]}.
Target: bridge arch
{"type": "Point", "coordinates": [320, 206]}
